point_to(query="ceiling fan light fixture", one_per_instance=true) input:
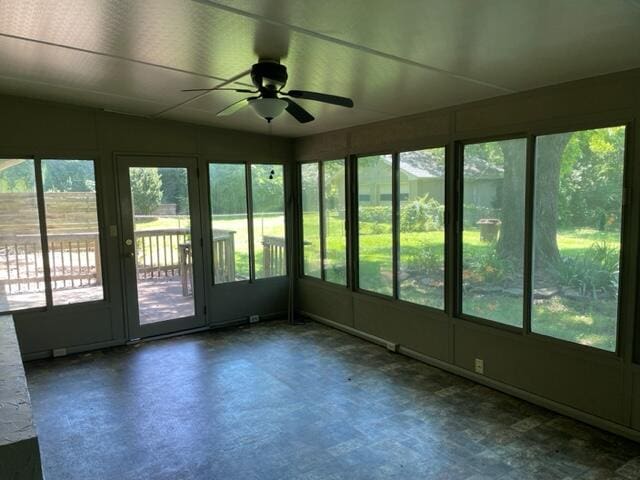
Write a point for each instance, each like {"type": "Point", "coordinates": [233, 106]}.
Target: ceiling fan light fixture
{"type": "Point", "coordinates": [268, 108]}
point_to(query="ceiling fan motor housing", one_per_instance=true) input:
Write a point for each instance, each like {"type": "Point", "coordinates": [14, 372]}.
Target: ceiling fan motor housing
{"type": "Point", "coordinates": [269, 76]}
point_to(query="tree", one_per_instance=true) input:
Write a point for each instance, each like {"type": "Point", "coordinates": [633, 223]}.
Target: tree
{"type": "Point", "coordinates": [174, 188]}
{"type": "Point", "coordinates": [68, 176]}
{"type": "Point", "coordinates": [17, 176]}
{"type": "Point", "coordinates": [591, 179]}
{"type": "Point", "coordinates": [227, 186]}
{"type": "Point", "coordinates": [549, 152]}
{"type": "Point", "coordinates": [267, 189]}
{"type": "Point", "coordinates": [146, 188]}
{"type": "Point", "coordinates": [511, 238]}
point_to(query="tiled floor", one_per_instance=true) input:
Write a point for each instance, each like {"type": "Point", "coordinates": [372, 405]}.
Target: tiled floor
{"type": "Point", "coordinates": [276, 401]}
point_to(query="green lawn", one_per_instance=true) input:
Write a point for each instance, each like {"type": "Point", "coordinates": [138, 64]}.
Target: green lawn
{"type": "Point", "coordinates": [588, 320]}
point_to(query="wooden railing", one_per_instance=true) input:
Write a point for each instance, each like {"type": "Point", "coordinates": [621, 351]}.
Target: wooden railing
{"type": "Point", "coordinates": [72, 261]}
{"type": "Point", "coordinates": [224, 255]}
{"type": "Point", "coordinates": [158, 251]}
{"type": "Point", "coordinates": [167, 252]}
{"type": "Point", "coordinates": [74, 258]}
{"type": "Point", "coordinates": [274, 260]}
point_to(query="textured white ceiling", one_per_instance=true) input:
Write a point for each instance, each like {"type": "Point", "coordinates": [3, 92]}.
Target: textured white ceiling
{"type": "Point", "coordinates": [392, 57]}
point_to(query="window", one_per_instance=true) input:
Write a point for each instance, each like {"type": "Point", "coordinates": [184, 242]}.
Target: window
{"type": "Point", "coordinates": [22, 280]}
{"type": "Point", "coordinates": [375, 225]}
{"type": "Point", "coordinates": [311, 249]}
{"type": "Point", "coordinates": [72, 230]}
{"type": "Point", "coordinates": [577, 223]}
{"type": "Point", "coordinates": [74, 272]}
{"type": "Point", "coordinates": [229, 222]}
{"type": "Point", "coordinates": [493, 215]}
{"type": "Point", "coordinates": [334, 207]}
{"type": "Point", "coordinates": [324, 204]}
{"type": "Point", "coordinates": [421, 222]}
{"type": "Point", "coordinates": [267, 191]}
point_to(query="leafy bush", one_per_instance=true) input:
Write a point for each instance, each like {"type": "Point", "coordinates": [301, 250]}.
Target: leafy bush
{"type": "Point", "coordinates": [592, 273]}
{"type": "Point", "coordinates": [374, 228]}
{"type": "Point", "coordinates": [489, 268]}
{"type": "Point", "coordinates": [380, 214]}
{"type": "Point", "coordinates": [427, 259]}
{"type": "Point", "coordinates": [422, 214]}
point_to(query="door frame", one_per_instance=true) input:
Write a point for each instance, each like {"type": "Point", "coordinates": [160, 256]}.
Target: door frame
{"type": "Point", "coordinates": [127, 262]}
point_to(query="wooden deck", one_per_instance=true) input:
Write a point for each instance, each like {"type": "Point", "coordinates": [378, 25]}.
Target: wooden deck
{"type": "Point", "coordinates": [159, 300]}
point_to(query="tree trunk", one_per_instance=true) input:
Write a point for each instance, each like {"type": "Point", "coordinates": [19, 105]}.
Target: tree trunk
{"type": "Point", "coordinates": [549, 150]}
{"type": "Point", "coordinates": [511, 242]}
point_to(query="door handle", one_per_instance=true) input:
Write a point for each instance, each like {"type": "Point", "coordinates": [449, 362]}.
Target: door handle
{"type": "Point", "coordinates": [129, 255]}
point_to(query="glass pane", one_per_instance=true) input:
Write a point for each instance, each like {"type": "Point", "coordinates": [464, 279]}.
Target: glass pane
{"type": "Point", "coordinates": [229, 224]}
{"type": "Point", "coordinates": [493, 230]}
{"type": "Point", "coordinates": [310, 220]}
{"type": "Point", "coordinates": [162, 226]}
{"type": "Point", "coordinates": [577, 220]}
{"type": "Point", "coordinates": [21, 271]}
{"type": "Point", "coordinates": [267, 190]}
{"type": "Point", "coordinates": [334, 205]}
{"type": "Point", "coordinates": [421, 256]}
{"type": "Point", "coordinates": [375, 237]}
{"type": "Point", "coordinates": [72, 230]}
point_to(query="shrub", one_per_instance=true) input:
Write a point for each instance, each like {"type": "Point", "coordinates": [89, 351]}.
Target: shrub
{"type": "Point", "coordinates": [380, 214]}
{"type": "Point", "coordinates": [592, 273]}
{"type": "Point", "coordinates": [421, 214]}
{"type": "Point", "coordinates": [427, 259]}
{"type": "Point", "coordinates": [490, 268]}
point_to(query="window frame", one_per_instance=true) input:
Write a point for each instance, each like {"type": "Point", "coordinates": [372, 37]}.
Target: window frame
{"type": "Point", "coordinates": [210, 228]}
{"type": "Point", "coordinates": [624, 250]}
{"type": "Point", "coordinates": [322, 229]}
{"type": "Point", "coordinates": [396, 186]}
{"type": "Point", "coordinates": [356, 228]}
{"type": "Point", "coordinates": [44, 237]}
{"type": "Point", "coordinates": [250, 231]}
{"type": "Point", "coordinates": [285, 208]}
{"type": "Point", "coordinates": [397, 200]}
{"type": "Point", "coordinates": [320, 199]}
{"type": "Point", "coordinates": [459, 228]}
{"type": "Point", "coordinates": [531, 134]}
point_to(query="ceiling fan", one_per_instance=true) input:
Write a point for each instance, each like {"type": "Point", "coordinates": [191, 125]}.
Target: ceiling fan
{"type": "Point", "coordinates": [269, 78]}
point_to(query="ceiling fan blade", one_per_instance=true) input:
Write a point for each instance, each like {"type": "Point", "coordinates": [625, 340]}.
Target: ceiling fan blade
{"type": "Point", "coordinates": [234, 107]}
{"type": "Point", "coordinates": [239, 90]}
{"type": "Point", "coordinates": [298, 112]}
{"type": "Point", "coordinates": [321, 97]}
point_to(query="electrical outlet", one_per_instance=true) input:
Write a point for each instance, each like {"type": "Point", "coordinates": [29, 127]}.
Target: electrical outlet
{"type": "Point", "coordinates": [480, 366]}
{"type": "Point", "coordinates": [392, 347]}
{"type": "Point", "coordinates": [254, 318]}
{"type": "Point", "coordinates": [59, 352]}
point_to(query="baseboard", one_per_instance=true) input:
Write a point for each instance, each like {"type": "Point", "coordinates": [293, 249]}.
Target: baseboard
{"type": "Point", "coordinates": [27, 357]}
{"type": "Point", "coordinates": [560, 408]}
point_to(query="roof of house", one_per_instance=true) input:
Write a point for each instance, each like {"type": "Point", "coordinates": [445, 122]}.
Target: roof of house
{"type": "Point", "coordinates": [429, 164]}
